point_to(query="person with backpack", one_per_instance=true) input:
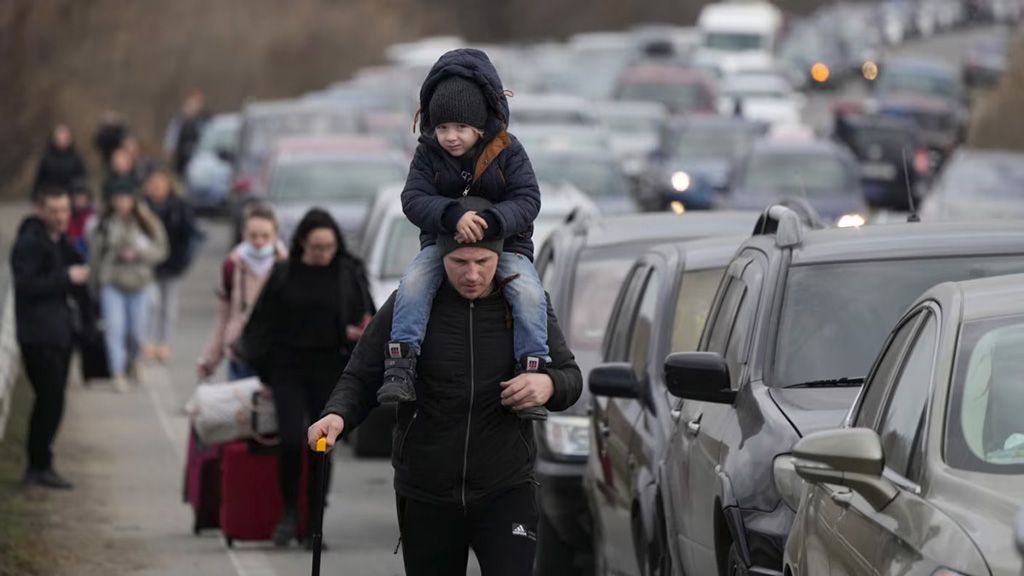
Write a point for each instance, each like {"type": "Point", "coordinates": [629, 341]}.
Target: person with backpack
{"type": "Point", "coordinates": [312, 310]}
{"type": "Point", "coordinates": [125, 248]}
{"type": "Point", "coordinates": [243, 274]}
{"type": "Point", "coordinates": [184, 239]}
{"type": "Point", "coordinates": [464, 462]}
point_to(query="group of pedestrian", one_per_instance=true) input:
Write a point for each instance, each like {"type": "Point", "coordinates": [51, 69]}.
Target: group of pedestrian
{"type": "Point", "coordinates": [81, 272]}
{"type": "Point", "coordinates": [468, 349]}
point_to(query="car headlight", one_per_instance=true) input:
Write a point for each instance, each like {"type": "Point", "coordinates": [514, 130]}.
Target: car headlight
{"type": "Point", "coordinates": [787, 483]}
{"type": "Point", "coordinates": [680, 181]}
{"type": "Point", "coordinates": [850, 221]}
{"type": "Point", "coordinates": [568, 435]}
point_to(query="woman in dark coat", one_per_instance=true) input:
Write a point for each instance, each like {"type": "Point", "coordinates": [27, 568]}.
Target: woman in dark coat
{"type": "Point", "coordinates": [61, 166]}
{"type": "Point", "coordinates": [306, 321]}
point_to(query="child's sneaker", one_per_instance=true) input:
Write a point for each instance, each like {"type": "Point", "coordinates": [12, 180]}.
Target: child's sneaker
{"type": "Point", "coordinates": [532, 364]}
{"type": "Point", "coordinates": [399, 375]}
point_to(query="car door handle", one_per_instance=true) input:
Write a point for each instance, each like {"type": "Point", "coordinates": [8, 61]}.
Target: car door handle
{"type": "Point", "coordinates": [842, 499]}
{"type": "Point", "coordinates": [603, 429]}
{"type": "Point", "coordinates": [675, 413]}
{"type": "Point", "coordinates": [693, 426]}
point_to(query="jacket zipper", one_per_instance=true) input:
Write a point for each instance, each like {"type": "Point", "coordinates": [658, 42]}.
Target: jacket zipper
{"type": "Point", "coordinates": [401, 445]}
{"type": "Point", "coordinates": [469, 416]}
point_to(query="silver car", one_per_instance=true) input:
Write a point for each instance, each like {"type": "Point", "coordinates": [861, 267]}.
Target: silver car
{"type": "Point", "coordinates": [927, 476]}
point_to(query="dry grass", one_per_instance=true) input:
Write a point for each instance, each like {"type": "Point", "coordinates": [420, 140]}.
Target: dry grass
{"type": "Point", "coordinates": [998, 122]}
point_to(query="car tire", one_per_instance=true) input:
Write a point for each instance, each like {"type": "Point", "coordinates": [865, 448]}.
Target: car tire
{"type": "Point", "coordinates": [734, 565]}
{"type": "Point", "coordinates": [555, 557]}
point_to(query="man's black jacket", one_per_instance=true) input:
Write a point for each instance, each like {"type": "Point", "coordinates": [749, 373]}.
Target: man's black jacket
{"type": "Point", "coordinates": [42, 290]}
{"type": "Point", "coordinates": [456, 444]}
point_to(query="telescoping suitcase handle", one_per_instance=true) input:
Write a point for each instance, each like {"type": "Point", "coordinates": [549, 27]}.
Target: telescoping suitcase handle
{"type": "Point", "coordinates": [318, 505]}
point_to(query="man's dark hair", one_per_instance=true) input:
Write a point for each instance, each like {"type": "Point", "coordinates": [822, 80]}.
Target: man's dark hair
{"type": "Point", "coordinates": [47, 192]}
{"type": "Point", "coordinates": [314, 219]}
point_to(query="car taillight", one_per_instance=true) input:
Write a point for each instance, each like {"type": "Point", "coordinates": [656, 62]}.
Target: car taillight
{"type": "Point", "coordinates": [241, 186]}
{"type": "Point", "coordinates": [922, 162]}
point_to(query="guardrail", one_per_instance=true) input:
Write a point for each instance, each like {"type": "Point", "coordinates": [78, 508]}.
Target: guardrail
{"type": "Point", "coordinates": [10, 360]}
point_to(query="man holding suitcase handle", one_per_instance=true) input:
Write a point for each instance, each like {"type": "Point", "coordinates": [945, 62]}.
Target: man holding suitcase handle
{"type": "Point", "coordinates": [463, 460]}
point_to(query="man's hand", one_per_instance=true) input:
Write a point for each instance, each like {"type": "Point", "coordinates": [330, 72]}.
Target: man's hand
{"type": "Point", "coordinates": [329, 427]}
{"type": "Point", "coordinates": [78, 274]}
{"type": "Point", "coordinates": [470, 228]}
{"type": "Point", "coordinates": [527, 391]}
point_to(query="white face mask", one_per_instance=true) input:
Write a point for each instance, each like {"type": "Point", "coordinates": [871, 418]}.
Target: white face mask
{"type": "Point", "coordinates": [258, 253]}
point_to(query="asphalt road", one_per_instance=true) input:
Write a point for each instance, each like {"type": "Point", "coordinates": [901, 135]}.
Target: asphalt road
{"type": "Point", "coordinates": [126, 452]}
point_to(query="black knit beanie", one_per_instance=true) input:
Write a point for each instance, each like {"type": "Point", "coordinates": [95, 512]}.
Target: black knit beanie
{"type": "Point", "coordinates": [459, 100]}
{"type": "Point", "coordinates": [446, 243]}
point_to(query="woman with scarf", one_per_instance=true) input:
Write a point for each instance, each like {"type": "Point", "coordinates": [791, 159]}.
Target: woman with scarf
{"type": "Point", "coordinates": [243, 275]}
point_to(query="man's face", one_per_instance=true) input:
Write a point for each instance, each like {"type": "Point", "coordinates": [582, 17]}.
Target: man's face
{"type": "Point", "coordinates": [471, 271]}
{"type": "Point", "coordinates": [56, 213]}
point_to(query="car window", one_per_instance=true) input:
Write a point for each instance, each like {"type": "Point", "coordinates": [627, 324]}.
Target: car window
{"type": "Point", "coordinates": [743, 324]}
{"type": "Point", "coordinates": [874, 389]}
{"type": "Point", "coordinates": [902, 422]}
{"type": "Point", "coordinates": [985, 431]}
{"type": "Point", "coordinates": [725, 315]}
{"type": "Point", "coordinates": [402, 244]}
{"type": "Point", "coordinates": [621, 322]}
{"type": "Point", "coordinates": [696, 295]}
{"type": "Point", "coordinates": [643, 326]}
{"type": "Point", "coordinates": [546, 265]}
{"type": "Point", "coordinates": [599, 275]}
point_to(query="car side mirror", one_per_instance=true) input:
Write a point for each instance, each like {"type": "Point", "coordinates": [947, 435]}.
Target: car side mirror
{"type": "Point", "coordinates": [850, 457]}
{"type": "Point", "coordinates": [700, 376]}
{"type": "Point", "coordinates": [614, 380]}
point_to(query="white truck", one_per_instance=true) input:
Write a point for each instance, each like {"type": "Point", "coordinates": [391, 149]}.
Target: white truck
{"type": "Point", "coordinates": [738, 36]}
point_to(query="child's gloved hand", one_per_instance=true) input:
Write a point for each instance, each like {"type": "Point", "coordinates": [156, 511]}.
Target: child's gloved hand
{"type": "Point", "coordinates": [470, 228]}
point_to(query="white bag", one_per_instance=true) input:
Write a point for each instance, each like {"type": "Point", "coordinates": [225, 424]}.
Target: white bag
{"type": "Point", "coordinates": [231, 411]}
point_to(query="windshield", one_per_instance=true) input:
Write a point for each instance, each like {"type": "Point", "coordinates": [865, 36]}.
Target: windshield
{"type": "Point", "coordinates": [633, 124]}
{"type": "Point", "coordinates": [707, 142]}
{"type": "Point", "coordinates": [917, 82]}
{"type": "Point", "coordinates": [835, 317]}
{"type": "Point", "coordinates": [599, 276]}
{"type": "Point", "coordinates": [400, 247]}
{"type": "Point", "coordinates": [696, 294]}
{"type": "Point", "coordinates": [733, 41]}
{"type": "Point", "coordinates": [596, 178]}
{"type": "Point", "coordinates": [985, 430]}
{"type": "Point", "coordinates": [219, 136]}
{"type": "Point", "coordinates": [797, 174]}
{"type": "Point", "coordinates": [679, 97]}
{"type": "Point", "coordinates": [332, 180]}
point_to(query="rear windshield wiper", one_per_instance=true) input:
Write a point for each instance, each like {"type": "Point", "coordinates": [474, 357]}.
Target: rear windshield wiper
{"type": "Point", "coordinates": [829, 383]}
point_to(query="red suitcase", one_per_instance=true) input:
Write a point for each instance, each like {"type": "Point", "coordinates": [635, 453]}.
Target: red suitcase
{"type": "Point", "coordinates": [202, 483]}
{"type": "Point", "coordinates": [251, 503]}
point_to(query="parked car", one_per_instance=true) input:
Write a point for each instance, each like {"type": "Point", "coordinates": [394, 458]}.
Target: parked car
{"type": "Point", "coordinates": [794, 327]}
{"type": "Point", "coordinates": [208, 175]}
{"type": "Point", "coordinates": [582, 265]}
{"type": "Point", "coordinates": [263, 124]}
{"type": "Point", "coordinates": [895, 165]}
{"type": "Point", "coordinates": [694, 159]}
{"type": "Point", "coordinates": [986, 62]}
{"type": "Point", "coordinates": [820, 172]}
{"type": "Point", "coordinates": [927, 475]}
{"type": "Point", "coordinates": [760, 97]}
{"type": "Point", "coordinates": [977, 184]}
{"type": "Point", "coordinates": [661, 307]}
{"type": "Point", "coordinates": [813, 59]}
{"type": "Point", "coordinates": [552, 110]}
{"type": "Point", "coordinates": [339, 174]}
{"type": "Point", "coordinates": [537, 138]}
{"type": "Point", "coordinates": [633, 128]}
{"type": "Point", "coordinates": [680, 88]}
{"type": "Point", "coordinates": [596, 173]}
{"type": "Point", "coordinates": [941, 124]}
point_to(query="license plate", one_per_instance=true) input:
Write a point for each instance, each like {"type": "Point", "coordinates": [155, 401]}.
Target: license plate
{"type": "Point", "coordinates": [878, 171]}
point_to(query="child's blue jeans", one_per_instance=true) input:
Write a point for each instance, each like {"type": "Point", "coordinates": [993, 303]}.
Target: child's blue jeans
{"type": "Point", "coordinates": [524, 294]}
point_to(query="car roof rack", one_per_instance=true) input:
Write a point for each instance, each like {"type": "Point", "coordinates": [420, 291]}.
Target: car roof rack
{"type": "Point", "coordinates": [782, 222]}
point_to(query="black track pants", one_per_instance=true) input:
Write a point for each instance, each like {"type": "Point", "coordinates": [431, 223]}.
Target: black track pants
{"type": "Point", "coordinates": [47, 370]}
{"type": "Point", "coordinates": [501, 531]}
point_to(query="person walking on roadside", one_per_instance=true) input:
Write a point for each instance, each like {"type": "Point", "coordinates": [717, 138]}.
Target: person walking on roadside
{"type": "Point", "coordinates": [183, 239]}
{"type": "Point", "coordinates": [123, 173]}
{"type": "Point", "coordinates": [48, 274]}
{"type": "Point", "coordinates": [464, 462]}
{"type": "Point", "coordinates": [125, 248]}
{"type": "Point", "coordinates": [310, 313]}
{"type": "Point", "coordinates": [185, 130]}
{"type": "Point", "coordinates": [243, 274]}
{"type": "Point", "coordinates": [109, 135]}
{"type": "Point", "coordinates": [61, 164]}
